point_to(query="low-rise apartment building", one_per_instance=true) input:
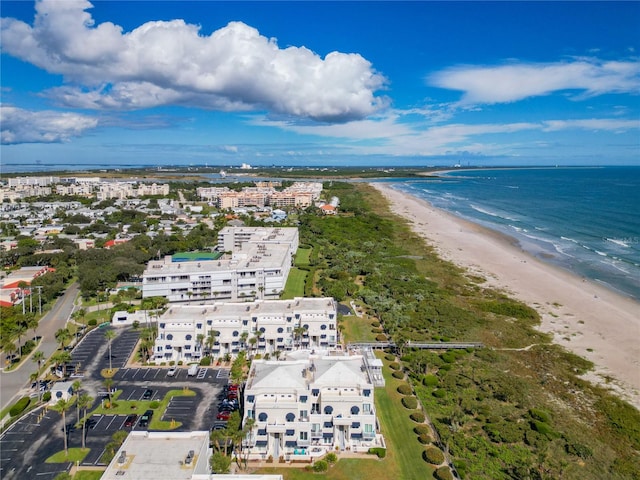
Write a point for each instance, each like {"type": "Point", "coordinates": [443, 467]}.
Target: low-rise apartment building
{"type": "Point", "coordinates": [305, 407]}
{"type": "Point", "coordinates": [262, 326]}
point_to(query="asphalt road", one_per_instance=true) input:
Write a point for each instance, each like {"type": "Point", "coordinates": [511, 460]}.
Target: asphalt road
{"type": "Point", "coordinates": [16, 382]}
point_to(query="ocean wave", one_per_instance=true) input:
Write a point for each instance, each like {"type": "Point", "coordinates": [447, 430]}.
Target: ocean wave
{"type": "Point", "coordinates": [492, 213]}
{"type": "Point", "coordinates": [620, 243]}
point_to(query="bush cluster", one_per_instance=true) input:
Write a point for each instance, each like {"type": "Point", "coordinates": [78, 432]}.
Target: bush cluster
{"type": "Point", "coordinates": [425, 438]}
{"type": "Point", "coordinates": [398, 374]}
{"type": "Point", "coordinates": [404, 389]}
{"type": "Point", "coordinates": [422, 429]}
{"type": "Point", "coordinates": [394, 366]}
{"type": "Point", "coordinates": [381, 337]}
{"type": "Point", "coordinates": [417, 417]}
{"type": "Point", "coordinates": [19, 406]}
{"type": "Point", "coordinates": [410, 402]}
{"type": "Point", "coordinates": [389, 357]}
{"type": "Point", "coordinates": [331, 458]}
{"type": "Point", "coordinates": [433, 455]}
{"type": "Point", "coordinates": [379, 451]}
{"type": "Point", "coordinates": [205, 361]}
{"type": "Point", "coordinates": [320, 466]}
{"type": "Point", "coordinates": [439, 393]}
{"type": "Point", "coordinates": [443, 473]}
{"type": "Point", "coordinates": [430, 380]}
{"type": "Point", "coordinates": [375, 324]}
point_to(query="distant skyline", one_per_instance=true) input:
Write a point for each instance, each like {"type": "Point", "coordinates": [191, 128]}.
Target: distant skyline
{"type": "Point", "coordinates": [128, 83]}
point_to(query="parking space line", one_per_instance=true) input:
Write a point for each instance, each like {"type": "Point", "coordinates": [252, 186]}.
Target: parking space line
{"type": "Point", "coordinates": [135, 373]}
{"type": "Point", "coordinates": [112, 419]}
{"type": "Point", "coordinates": [157, 372]}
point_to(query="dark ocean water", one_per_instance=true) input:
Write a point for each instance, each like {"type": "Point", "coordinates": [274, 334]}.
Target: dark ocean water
{"type": "Point", "coordinates": [586, 220]}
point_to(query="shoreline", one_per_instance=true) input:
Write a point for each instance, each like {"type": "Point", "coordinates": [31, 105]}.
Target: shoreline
{"type": "Point", "coordinates": [584, 317]}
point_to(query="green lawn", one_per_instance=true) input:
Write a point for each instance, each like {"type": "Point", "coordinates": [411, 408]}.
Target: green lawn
{"type": "Point", "coordinates": [295, 284]}
{"type": "Point", "coordinates": [75, 455]}
{"type": "Point", "coordinates": [125, 407]}
{"type": "Point", "coordinates": [397, 429]}
{"type": "Point", "coordinates": [356, 329]}
{"type": "Point", "coordinates": [88, 475]}
{"type": "Point", "coordinates": [302, 256]}
{"type": "Point", "coordinates": [369, 468]}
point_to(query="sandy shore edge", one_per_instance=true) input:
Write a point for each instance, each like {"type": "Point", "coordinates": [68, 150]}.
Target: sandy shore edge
{"type": "Point", "coordinates": [584, 317]}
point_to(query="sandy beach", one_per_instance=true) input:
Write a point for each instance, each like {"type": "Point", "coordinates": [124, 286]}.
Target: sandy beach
{"type": "Point", "coordinates": [584, 317]}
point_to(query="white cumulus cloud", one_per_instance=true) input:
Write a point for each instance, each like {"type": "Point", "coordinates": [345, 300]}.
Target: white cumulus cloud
{"type": "Point", "coordinates": [173, 63]}
{"type": "Point", "coordinates": [513, 82]}
{"type": "Point", "coordinates": [25, 126]}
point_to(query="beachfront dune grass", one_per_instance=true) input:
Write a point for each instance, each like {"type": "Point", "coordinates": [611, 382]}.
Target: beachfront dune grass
{"type": "Point", "coordinates": [478, 400]}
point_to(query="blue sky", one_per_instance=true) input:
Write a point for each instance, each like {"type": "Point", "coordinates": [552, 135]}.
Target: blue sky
{"type": "Point", "coordinates": [319, 83]}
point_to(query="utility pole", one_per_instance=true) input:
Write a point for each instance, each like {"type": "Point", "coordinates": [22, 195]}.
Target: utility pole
{"type": "Point", "coordinates": [39, 287]}
{"type": "Point", "coordinates": [22, 297]}
{"type": "Point", "coordinates": [30, 299]}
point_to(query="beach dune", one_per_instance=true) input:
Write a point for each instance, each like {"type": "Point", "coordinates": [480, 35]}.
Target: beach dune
{"type": "Point", "coordinates": [586, 318]}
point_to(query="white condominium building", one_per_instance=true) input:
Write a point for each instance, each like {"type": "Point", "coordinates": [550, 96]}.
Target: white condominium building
{"type": "Point", "coordinates": [263, 326]}
{"type": "Point", "coordinates": [310, 405]}
{"type": "Point", "coordinates": [258, 267]}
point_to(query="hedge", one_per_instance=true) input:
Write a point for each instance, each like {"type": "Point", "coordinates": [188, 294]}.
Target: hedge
{"type": "Point", "coordinates": [404, 389]}
{"type": "Point", "coordinates": [443, 473]}
{"type": "Point", "coordinates": [381, 337]}
{"type": "Point", "coordinates": [410, 402]}
{"type": "Point", "coordinates": [390, 357]}
{"type": "Point", "coordinates": [425, 438]}
{"type": "Point", "coordinates": [417, 417]}
{"type": "Point", "coordinates": [398, 374]}
{"type": "Point", "coordinates": [205, 361]}
{"type": "Point", "coordinates": [394, 366]}
{"type": "Point", "coordinates": [320, 466]}
{"type": "Point", "coordinates": [430, 380]}
{"type": "Point", "coordinates": [422, 430]}
{"type": "Point", "coordinates": [433, 455]}
{"type": "Point", "coordinates": [379, 451]}
{"type": "Point", "coordinates": [19, 406]}
{"type": "Point", "coordinates": [439, 393]}
{"type": "Point", "coordinates": [375, 324]}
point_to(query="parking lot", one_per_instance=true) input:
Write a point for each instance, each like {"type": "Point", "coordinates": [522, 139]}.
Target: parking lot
{"type": "Point", "coordinates": [26, 445]}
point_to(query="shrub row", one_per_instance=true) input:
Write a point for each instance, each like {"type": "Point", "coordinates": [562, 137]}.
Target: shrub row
{"type": "Point", "coordinates": [394, 366]}
{"type": "Point", "coordinates": [404, 389]}
{"type": "Point", "coordinates": [398, 374]}
{"type": "Point", "coordinates": [433, 455]}
{"type": "Point", "coordinates": [417, 417]}
{"type": "Point", "coordinates": [19, 406]}
{"type": "Point", "coordinates": [422, 429]}
{"type": "Point", "coordinates": [443, 473]}
{"type": "Point", "coordinates": [410, 402]}
{"type": "Point", "coordinates": [381, 337]}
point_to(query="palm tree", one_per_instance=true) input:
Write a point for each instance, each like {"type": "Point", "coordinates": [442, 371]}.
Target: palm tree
{"type": "Point", "coordinates": [200, 341]}
{"type": "Point", "coordinates": [108, 383]}
{"type": "Point", "coordinates": [63, 335]}
{"type": "Point", "coordinates": [76, 390]}
{"type": "Point", "coordinates": [248, 434]}
{"type": "Point", "coordinates": [297, 334]}
{"type": "Point", "coordinates": [60, 358]}
{"type": "Point", "coordinates": [84, 402]}
{"type": "Point", "coordinates": [37, 357]}
{"type": "Point", "coordinates": [243, 338]}
{"type": "Point", "coordinates": [61, 407]}
{"type": "Point", "coordinates": [110, 335]}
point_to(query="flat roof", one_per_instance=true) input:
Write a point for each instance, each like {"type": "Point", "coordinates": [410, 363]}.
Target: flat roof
{"type": "Point", "coordinates": [160, 455]}
{"type": "Point", "coordinates": [195, 256]}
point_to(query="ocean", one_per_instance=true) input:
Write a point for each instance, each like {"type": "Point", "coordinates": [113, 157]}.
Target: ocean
{"type": "Point", "coordinates": [585, 220]}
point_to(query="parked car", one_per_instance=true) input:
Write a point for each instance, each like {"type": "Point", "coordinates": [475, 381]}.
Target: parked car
{"type": "Point", "coordinates": [145, 418]}
{"type": "Point", "coordinates": [131, 421]}
{"type": "Point", "coordinates": [172, 372]}
{"type": "Point", "coordinates": [193, 370]}
{"type": "Point", "coordinates": [148, 393]}
{"type": "Point", "coordinates": [223, 416]}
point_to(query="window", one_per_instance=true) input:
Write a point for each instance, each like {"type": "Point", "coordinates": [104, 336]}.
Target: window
{"type": "Point", "coordinates": [262, 417]}
{"type": "Point", "coordinates": [303, 399]}
{"type": "Point", "coordinates": [304, 435]}
{"type": "Point", "coordinates": [188, 337]}
{"type": "Point", "coordinates": [366, 407]}
{"type": "Point", "coordinates": [249, 413]}
{"type": "Point", "coordinates": [304, 413]}
{"type": "Point", "coordinates": [198, 326]}
{"type": "Point", "coordinates": [368, 428]}
{"type": "Point", "coordinates": [290, 417]}
{"type": "Point", "coordinates": [169, 336]}
{"type": "Point", "coordinates": [323, 327]}
{"type": "Point", "coordinates": [366, 392]}
{"type": "Point", "coordinates": [315, 427]}
{"type": "Point", "coordinates": [328, 409]}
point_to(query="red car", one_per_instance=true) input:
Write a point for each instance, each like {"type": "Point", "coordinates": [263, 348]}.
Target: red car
{"type": "Point", "coordinates": [223, 416]}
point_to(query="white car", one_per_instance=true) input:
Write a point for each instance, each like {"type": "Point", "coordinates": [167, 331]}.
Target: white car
{"type": "Point", "coordinates": [171, 372]}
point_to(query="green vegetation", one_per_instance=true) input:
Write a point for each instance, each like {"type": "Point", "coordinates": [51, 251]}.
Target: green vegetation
{"type": "Point", "coordinates": [125, 407]}
{"type": "Point", "coordinates": [487, 405]}
{"type": "Point", "coordinates": [295, 283]}
{"type": "Point", "coordinates": [19, 406]}
{"type": "Point", "coordinates": [88, 475]}
{"type": "Point", "coordinates": [356, 329]}
{"type": "Point", "coordinates": [75, 455]}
